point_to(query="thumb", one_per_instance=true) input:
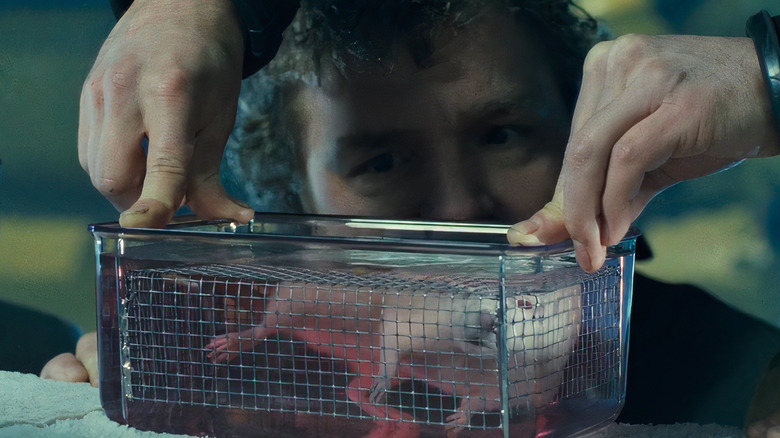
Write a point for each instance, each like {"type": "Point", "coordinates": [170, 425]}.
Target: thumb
{"type": "Point", "coordinates": [545, 227]}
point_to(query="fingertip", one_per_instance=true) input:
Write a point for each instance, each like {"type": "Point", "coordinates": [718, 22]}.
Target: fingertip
{"type": "Point", "coordinates": [65, 368]}
{"type": "Point", "coordinates": [147, 213]}
{"type": "Point", "coordinates": [521, 233]}
{"type": "Point", "coordinates": [244, 214]}
{"type": "Point", "coordinates": [590, 259]}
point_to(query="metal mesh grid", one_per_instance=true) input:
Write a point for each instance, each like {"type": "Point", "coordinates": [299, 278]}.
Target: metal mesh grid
{"type": "Point", "coordinates": [368, 344]}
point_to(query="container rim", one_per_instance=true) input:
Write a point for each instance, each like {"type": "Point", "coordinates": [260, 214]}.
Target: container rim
{"type": "Point", "coordinates": [408, 234]}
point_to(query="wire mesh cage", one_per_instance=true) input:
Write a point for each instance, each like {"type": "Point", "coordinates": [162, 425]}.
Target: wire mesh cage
{"type": "Point", "coordinates": [460, 345]}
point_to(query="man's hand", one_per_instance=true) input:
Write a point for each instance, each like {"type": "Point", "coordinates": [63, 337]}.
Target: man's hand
{"type": "Point", "coordinates": [652, 111]}
{"type": "Point", "coordinates": [170, 71]}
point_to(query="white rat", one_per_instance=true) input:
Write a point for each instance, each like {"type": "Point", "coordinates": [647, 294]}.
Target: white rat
{"type": "Point", "coordinates": [450, 342]}
{"type": "Point", "coordinates": [452, 337]}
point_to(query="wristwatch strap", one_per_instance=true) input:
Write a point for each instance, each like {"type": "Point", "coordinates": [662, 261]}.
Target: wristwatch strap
{"type": "Point", "coordinates": [262, 24]}
{"type": "Point", "coordinates": [763, 29]}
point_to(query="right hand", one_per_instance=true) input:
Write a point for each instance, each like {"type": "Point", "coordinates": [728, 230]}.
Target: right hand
{"type": "Point", "coordinates": [652, 111]}
{"type": "Point", "coordinates": [169, 71]}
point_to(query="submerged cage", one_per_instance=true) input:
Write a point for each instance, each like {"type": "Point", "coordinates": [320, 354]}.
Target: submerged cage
{"type": "Point", "coordinates": [346, 327]}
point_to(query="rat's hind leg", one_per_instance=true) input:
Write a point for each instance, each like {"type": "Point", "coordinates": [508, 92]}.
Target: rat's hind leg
{"type": "Point", "coordinates": [480, 399]}
{"type": "Point", "coordinates": [387, 368]}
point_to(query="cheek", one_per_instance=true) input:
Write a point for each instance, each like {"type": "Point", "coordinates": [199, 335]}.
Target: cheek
{"type": "Point", "coordinates": [325, 193]}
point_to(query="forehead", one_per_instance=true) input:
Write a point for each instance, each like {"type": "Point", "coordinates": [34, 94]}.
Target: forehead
{"type": "Point", "coordinates": [492, 61]}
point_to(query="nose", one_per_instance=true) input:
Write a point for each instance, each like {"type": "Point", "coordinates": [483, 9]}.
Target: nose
{"type": "Point", "coordinates": [455, 195]}
{"type": "Point", "coordinates": [451, 205]}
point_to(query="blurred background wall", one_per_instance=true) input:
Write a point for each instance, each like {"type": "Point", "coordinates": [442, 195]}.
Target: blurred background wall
{"type": "Point", "coordinates": [716, 232]}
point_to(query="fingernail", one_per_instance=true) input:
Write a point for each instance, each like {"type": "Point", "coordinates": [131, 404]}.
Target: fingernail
{"type": "Point", "coordinates": [522, 233]}
{"type": "Point", "coordinates": [143, 209]}
{"type": "Point", "coordinates": [583, 256]}
{"type": "Point", "coordinates": [241, 203]}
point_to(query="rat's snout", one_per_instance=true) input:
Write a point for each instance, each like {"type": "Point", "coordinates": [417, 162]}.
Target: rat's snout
{"type": "Point", "coordinates": [487, 322]}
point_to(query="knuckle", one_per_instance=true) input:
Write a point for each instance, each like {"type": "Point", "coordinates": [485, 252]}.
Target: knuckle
{"type": "Point", "coordinates": [625, 152]}
{"type": "Point", "coordinates": [578, 152]}
{"type": "Point", "coordinates": [121, 80]}
{"type": "Point", "coordinates": [173, 83]}
{"type": "Point", "coordinates": [93, 91]}
{"type": "Point", "coordinates": [597, 56]}
{"type": "Point", "coordinates": [631, 47]}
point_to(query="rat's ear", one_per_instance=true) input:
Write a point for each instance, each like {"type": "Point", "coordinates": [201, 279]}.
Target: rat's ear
{"type": "Point", "coordinates": [523, 303]}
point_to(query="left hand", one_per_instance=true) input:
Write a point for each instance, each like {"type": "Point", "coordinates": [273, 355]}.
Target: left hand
{"type": "Point", "coordinates": [81, 367]}
{"type": "Point", "coordinates": [652, 111]}
{"type": "Point", "coordinates": [767, 428]}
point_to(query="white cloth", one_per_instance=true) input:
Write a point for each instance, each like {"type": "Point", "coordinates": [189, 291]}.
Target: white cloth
{"type": "Point", "coordinates": [31, 407]}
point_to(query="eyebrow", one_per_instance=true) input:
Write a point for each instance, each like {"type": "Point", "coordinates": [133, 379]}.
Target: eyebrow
{"type": "Point", "coordinates": [523, 103]}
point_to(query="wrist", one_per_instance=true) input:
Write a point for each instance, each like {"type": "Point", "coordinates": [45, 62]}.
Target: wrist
{"type": "Point", "coordinates": [261, 21]}
{"type": "Point", "coordinates": [764, 31]}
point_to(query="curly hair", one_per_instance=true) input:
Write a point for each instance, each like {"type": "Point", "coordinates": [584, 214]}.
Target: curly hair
{"type": "Point", "coordinates": [261, 162]}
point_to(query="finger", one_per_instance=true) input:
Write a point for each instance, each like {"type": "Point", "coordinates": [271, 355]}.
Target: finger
{"type": "Point", "coordinates": [636, 154]}
{"type": "Point", "coordinates": [91, 119]}
{"type": "Point", "coordinates": [120, 162]}
{"type": "Point", "coordinates": [206, 196]}
{"type": "Point", "coordinates": [85, 125]}
{"type": "Point", "coordinates": [87, 354]}
{"type": "Point", "coordinates": [65, 368]}
{"type": "Point", "coordinates": [171, 144]}
{"type": "Point", "coordinates": [593, 84]}
{"type": "Point", "coordinates": [583, 175]}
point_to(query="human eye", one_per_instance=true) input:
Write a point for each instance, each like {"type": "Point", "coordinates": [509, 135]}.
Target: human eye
{"type": "Point", "coordinates": [504, 135]}
{"type": "Point", "coordinates": [384, 162]}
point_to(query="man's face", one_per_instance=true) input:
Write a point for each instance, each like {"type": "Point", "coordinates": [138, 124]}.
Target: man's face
{"type": "Point", "coordinates": [477, 134]}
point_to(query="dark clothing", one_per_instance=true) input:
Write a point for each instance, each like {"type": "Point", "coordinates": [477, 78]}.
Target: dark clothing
{"type": "Point", "coordinates": [692, 358]}
{"type": "Point", "coordinates": [28, 338]}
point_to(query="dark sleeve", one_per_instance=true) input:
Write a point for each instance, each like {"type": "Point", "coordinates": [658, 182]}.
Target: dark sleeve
{"type": "Point", "coordinates": [119, 7]}
{"type": "Point", "coordinates": [28, 338]}
{"type": "Point", "coordinates": [691, 357]}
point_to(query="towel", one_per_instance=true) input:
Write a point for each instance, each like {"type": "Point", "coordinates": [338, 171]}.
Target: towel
{"type": "Point", "coordinates": [31, 407]}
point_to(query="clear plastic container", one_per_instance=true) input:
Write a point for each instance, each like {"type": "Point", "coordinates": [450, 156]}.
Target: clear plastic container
{"type": "Point", "coordinates": [321, 326]}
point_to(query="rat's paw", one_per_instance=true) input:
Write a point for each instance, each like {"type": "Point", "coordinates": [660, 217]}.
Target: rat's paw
{"type": "Point", "coordinates": [455, 423]}
{"type": "Point", "coordinates": [378, 388]}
